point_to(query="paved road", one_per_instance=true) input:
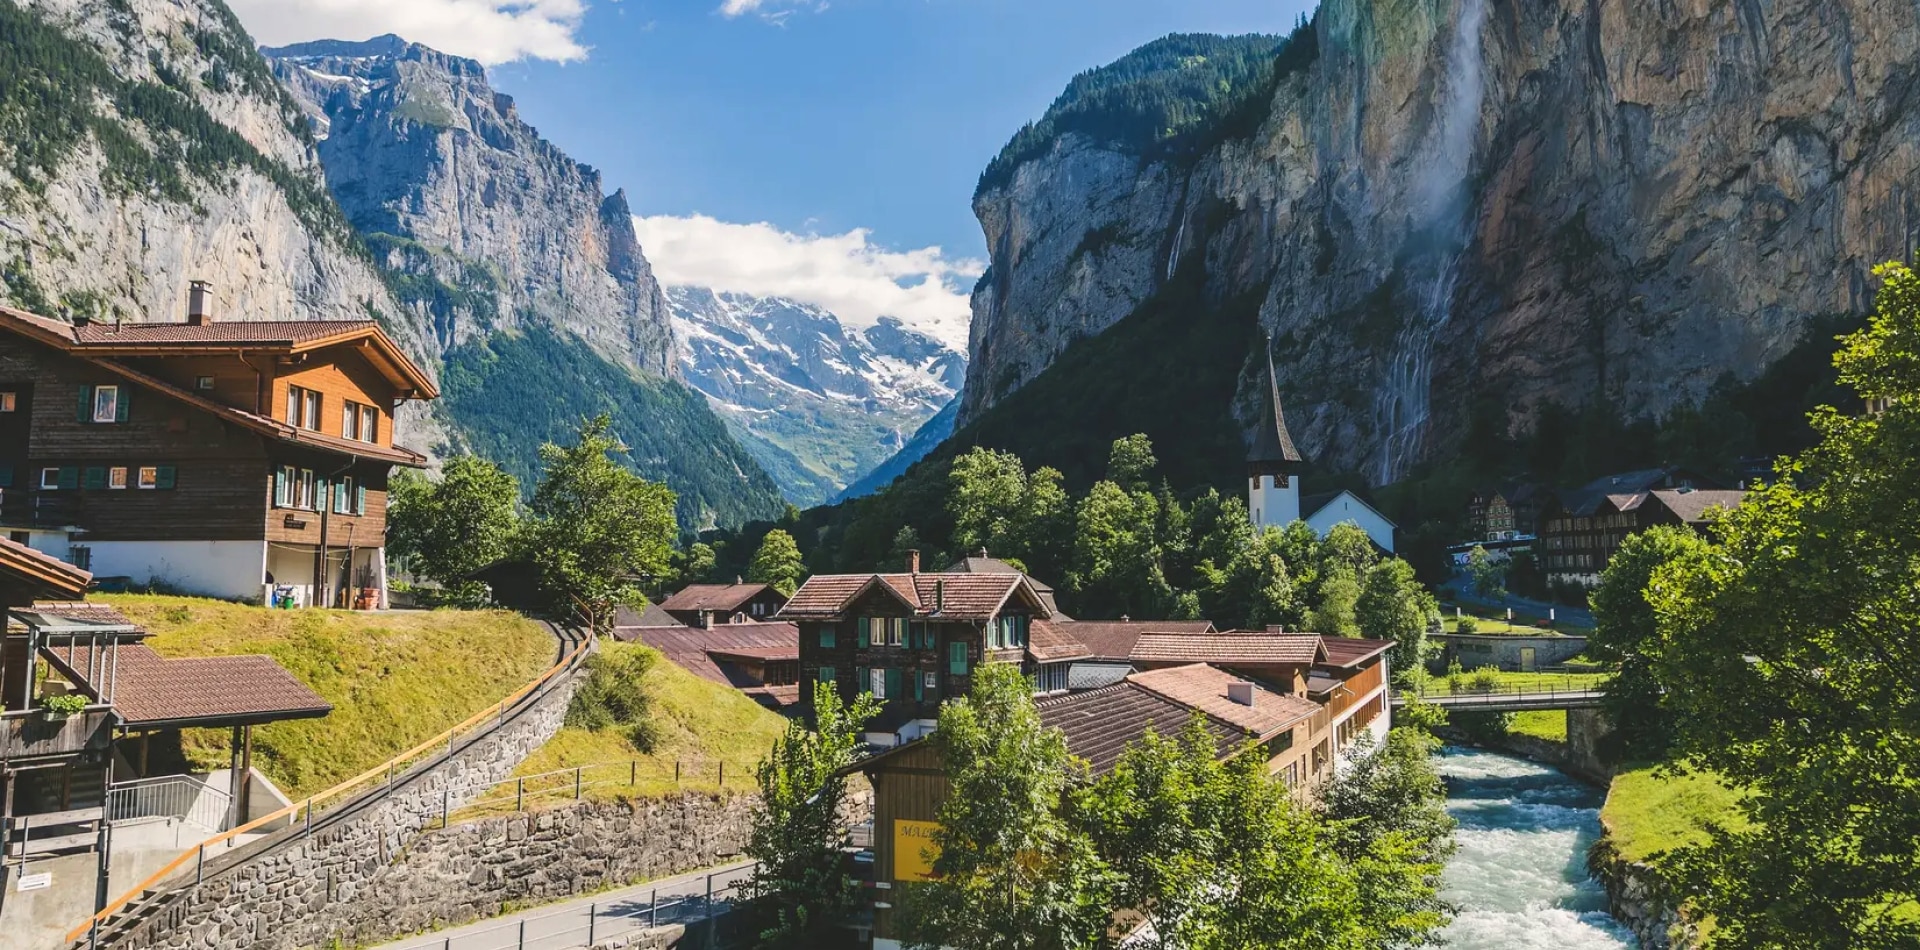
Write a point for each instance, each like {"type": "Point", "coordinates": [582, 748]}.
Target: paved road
{"type": "Point", "coordinates": [564, 925]}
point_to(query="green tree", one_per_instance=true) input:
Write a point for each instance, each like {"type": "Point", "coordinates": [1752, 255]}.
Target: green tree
{"type": "Point", "coordinates": [1043, 534]}
{"type": "Point", "coordinates": [1626, 634]}
{"type": "Point", "coordinates": [1394, 606]}
{"type": "Point", "coordinates": [1131, 462]}
{"type": "Point", "coordinates": [1010, 872]}
{"type": "Point", "coordinates": [449, 528]}
{"type": "Point", "coordinates": [796, 825]}
{"type": "Point", "coordinates": [695, 565]}
{"type": "Point", "coordinates": [1347, 547]}
{"type": "Point", "coordinates": [778, 563]}
{"type": "Point", "coordinates": [1788, 658]}
{"type": "Point", "coordinates": [1488, 572]}
{"type": "Point", "coordinates": [1116, 558]}
{"type": "Point", "coordinates": [596, 526]}
{"type": "Point", "coordinates": [985, 490]}
{"type": "Point", "coordinates": [1392, 802]}
{"type": "Point", "coordinates": [1337, 613]}
{"type": "Point", "coordinates": [1256, 589]}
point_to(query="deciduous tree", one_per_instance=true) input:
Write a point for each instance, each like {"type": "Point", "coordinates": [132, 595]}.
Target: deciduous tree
{"type": "Point", "coordinates": [597, 526]}
{"type": "Point", "coordinates": [778, 563]}
{"type": "Point", "coordinates": [449, 528]}
{"type": "Point", "coordinates": [1394, 606]}
{"type": "Point", "coordinates": [1626, 634]}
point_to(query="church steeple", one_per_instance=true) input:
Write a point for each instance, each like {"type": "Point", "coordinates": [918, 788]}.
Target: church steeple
{"type": "Point", "coordinates": [1273, 452]}
{"type": "Point", "coordinates": [1273, 491]}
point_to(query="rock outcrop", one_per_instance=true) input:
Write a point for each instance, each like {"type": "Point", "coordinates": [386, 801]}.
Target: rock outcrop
{"type": "Point", "coordinates": [1461, 200]}
{"type": "Point", "coordinates": [490, 224]}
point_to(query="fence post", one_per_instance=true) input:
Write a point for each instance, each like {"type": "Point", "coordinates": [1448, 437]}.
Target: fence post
{"type": "Point", "coordinates": [713, 921]}
{"type": "Point", "coordinates": [523, 933]}
{"type": "Point", "coordinates": [723, 773]}
{"type": "Point", "coordinates": [446, 805]}
{"type": "Point", "coordinates": [309, 817]}
{"type": "Point", "coordinates": [653, 909]}
{"type": "Point", "coordinates": [676, 771]}
{"type": "Point", "coordinates": [633, 772]}
{"type": "Point", "coordinates": [593, 914]}
{"type": "Point", "coordinates": [576, 782]}
{"type": "Point", "coordinates": [199, 864]}
{"type": "Point", "coordinates": [519, 794]}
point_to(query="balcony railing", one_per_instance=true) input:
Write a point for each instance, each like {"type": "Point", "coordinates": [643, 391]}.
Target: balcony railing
{"type": "Point", "coordinates": [29, 734]}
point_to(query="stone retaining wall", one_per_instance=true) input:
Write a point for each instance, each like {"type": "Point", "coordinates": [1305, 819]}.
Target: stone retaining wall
{"type": "Point", "coordinates": [294, 891]}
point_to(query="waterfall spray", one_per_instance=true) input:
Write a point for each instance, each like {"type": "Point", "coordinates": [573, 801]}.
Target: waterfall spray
{"type": "Point", "coordinates": [1401, 407]}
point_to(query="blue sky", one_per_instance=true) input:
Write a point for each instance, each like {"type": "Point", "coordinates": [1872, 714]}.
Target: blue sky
{"type": "Point", "coordinates": [747, 130]}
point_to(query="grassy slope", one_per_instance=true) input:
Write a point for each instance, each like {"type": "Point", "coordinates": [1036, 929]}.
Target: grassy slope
{"type": "Point", "coordinates": [700, 725]}
{"type": "Point", "coordinates": [1648, 813]}
{"type": "Point", "coordinates": [394, 679]}
{"type": "Point", "coordinates": [1547, 724]}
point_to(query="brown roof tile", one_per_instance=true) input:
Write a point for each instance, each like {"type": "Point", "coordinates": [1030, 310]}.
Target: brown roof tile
{"type": "Point", "coordinates": [1230, 649]}
{"type": "Point", "coordinates": [43, 573]}
{"type": "Point", "coordinates": [1694, 506]}
{"type": "Point", "coordinates": [719, 597]}
{"type": "Point", "coordinates": [1114, 640]}
{"type": "Point", "coordinates": [1100, 724]}
{"type": "Point", "coordinates": [1352, 651]}
{"type": "Point", "coordinates": [825, 595]}
{"type": "Point", "coordinates": [947, 596]}
{"type": "Point", "coordinates": [218, 332]}
{"type": "Point", "coordinates": [1048, 643]}
{"type": "Point", "coordinates": [695, 648]}
{"type": "Point", "coordinates": [1203, 687]}
{"type": "Point", "coordinates": [83, 611]}
{"type": "Point", "coordinates": [149, 689]}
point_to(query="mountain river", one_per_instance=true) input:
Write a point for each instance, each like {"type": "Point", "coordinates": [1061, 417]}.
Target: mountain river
{"type": "Point", "coordinates": [1520, 876]}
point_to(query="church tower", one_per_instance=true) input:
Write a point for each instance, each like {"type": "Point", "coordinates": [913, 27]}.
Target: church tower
{"type": "Point", "coordinates": [1273, 464]}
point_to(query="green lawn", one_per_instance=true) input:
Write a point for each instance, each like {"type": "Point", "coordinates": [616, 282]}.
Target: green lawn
{"type": "Point", "coordinates": [1547, 724]}
{"type": "Point", "coordinates": [1490, 620]}
{"type": "Point", "coordinates": [699, 725]}
{"type": "Point", "coordinates": [395, 679]}
{"type": "Point", "coordinates": [1511, 682]}
{"type": "Point", "coordinates": [1648, 813]}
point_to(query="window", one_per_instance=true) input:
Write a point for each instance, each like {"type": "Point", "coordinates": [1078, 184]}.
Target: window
{"type": "Point", "coordinates": [759, 609]}
{"type": "Point", "coordinates": [49, 478]}
{"type": "Point", "coordinates": [117, 477]}
{"type": "Point", "coordinates": [877, 683]}
{"type": "Point", "coordinates": [826, 674]}
{"type": "Point", "coordinates": [303, 408]}
{"type": "Point", "coordinates": [106, 404]}
{"type": "Point", "coordinates": [149, 476]}
{"type": "Point", "coordinates": [203, 383]}
{"type": "Point", "coordinates": [343, 497]}
{"type": "Point", "coordinates": [826, 637]}
{"type": "Point", "coordinates": [9, 402]}
{"type": "Point", "coordinates": [80, 556]}
{"type": "Point", "coordinates": [369, 424]}
{"type": "Point", "coordinates": [359, 421]}
{"type": "Point", "coordinates": [896, 631]}
{"type": "Point", "coordinates": [957, 658]}
{"type": "Point", "coordinates": [303, 490]}
{"type": "Point", "coordinates": [862, 679]}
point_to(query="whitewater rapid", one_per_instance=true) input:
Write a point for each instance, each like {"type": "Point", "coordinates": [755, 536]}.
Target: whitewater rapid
{"type": "Point", "coordinates": [1520, 875]}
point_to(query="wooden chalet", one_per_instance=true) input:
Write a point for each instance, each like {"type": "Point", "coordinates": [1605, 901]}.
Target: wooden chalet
{"type": "Point", "coordinates": [707, 605]}
{"type": "Point", "coordinates": [1581, 529]}
{"type": "Point", "coordinates": [243, 460]}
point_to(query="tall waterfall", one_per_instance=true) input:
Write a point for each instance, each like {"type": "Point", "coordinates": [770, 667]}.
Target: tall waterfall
{"type": "Point", "coordinates": [1401, 407]}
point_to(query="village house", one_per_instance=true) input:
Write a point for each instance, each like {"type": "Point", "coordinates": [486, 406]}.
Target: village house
{"type": "Point", "coordinates": [761, 660]}
{"type": "Point", "coordinates": [1507, 513]}
{"type": "Point", "coordinates": [1581, 529]}
{"type": "Point", "coordinates": [235, 459]}
{"type": "Point", "coordinates": [705, 605]}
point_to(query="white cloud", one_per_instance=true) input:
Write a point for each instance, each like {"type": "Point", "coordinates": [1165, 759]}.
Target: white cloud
{"type": "Point", "coordinates": [845, 273]}
{"type": "Point", "coordinates": [491, 31]}
{"type": "Point", "coordinates": [772, 11]}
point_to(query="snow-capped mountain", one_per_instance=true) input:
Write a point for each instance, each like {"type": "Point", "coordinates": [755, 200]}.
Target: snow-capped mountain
{"type": "Point", "coordinates": [817, 401]}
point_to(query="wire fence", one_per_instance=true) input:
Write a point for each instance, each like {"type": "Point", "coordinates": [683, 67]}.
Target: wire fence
{"type": "Point", "coordinates": [170, 796]}
{"type": "Point", "coordinates": [638, 777]}
{"type": "Point", "coordinates": [687, 901]}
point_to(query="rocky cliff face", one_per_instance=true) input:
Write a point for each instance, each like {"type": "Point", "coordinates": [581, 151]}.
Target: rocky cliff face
{"type": "Point", "coordinates": [1461, 200]}
{"type": "Point", "coordinates": [819, 403]}
{"type": "Point", "coordinates": [149, 147]}
{"type": "Point", "coordinates": [490, 224]}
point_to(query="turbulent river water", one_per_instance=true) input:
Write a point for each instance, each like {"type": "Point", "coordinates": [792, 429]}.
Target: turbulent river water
{"type": "Point", "coordinates": [1520, 876]}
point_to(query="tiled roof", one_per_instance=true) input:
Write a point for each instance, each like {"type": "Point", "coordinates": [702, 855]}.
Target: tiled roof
{"type": "Point", "coordinates": [764, 654]}
{"type": "Point", "coordinates": [1350, 651]}
{"type": "Point", "coordinates": [1320, 684]}
{"type": "Point", "coordinates": [1115, 639]}
{"type": "Point", "coordinates": [944, 596]}
{"type": "Point", "coordinates": [43, 573]}
{"type": "Point", "coordinates": [1693, 506]}
{"type": "Point", "coordinates": [1095, 675]}
{"type": "Point", "coordinates": [1203, 687]}
{"type": "Point", "coordinates": [718, 597]}
{"type": "Point", "coordinates": [694, 648]}
{"type": "Point", "coordinates": [653, 616]}
{"type": "Point", "coordinates": [1048, 643]}
{"type": "Point", "coordinates": [150, 690]}
{"type": "Point", "coordinates": [1237, 648]}
{"type": "Point", "coordinates": [218, 332]}
{"type": "Point", "coordinates": [776, 698]}
{"type": "Point", "coordinates": [84, 611]}
{"type": "Point", "coordinates": [1101, 724]}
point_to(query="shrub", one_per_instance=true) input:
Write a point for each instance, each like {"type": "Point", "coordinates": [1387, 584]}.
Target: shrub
{"type": "Point", "coordinates": [1467, 625]}
{"type": "Point", "coordinates": [65, 705]}
{"type": "Point", "coordinates": [615, 696]}
{"type": "Point", "coordinates": [1484, 680]}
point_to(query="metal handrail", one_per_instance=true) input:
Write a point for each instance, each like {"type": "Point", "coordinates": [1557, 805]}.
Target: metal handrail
{"type": "Point", "coordinates": [594, 929]}
{"type": "Point", "coordinates": [169, 796]}
{"type": "Point", "coordinates": [362, 782]}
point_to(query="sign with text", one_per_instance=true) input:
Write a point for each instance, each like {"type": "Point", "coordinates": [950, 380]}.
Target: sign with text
{"type": "Point", "coordinates": [914, 850]}
{"type": "Point", "coordinates": [35, 882]}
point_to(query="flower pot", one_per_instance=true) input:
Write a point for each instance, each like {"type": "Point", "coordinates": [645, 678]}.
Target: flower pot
{"type": "Point", "coordinates": [55, 715]}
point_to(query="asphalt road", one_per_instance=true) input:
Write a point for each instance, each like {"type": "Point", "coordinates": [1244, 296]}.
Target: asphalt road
{"type": "Point", "coordinates": [564, 925]}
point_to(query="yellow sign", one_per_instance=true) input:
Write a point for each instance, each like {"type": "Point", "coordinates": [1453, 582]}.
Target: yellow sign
{"type": "Point", "coordinates": [914, 850]}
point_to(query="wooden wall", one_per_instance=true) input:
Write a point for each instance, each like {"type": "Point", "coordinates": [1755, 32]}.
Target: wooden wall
{"type": "Point", "coordinates": [348, 377]}
{"type": "Point", "coordinates": [910, 785]}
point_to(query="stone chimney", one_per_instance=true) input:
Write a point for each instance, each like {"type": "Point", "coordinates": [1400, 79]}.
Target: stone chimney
{"type": "Point", "coordinates": [1240, 691]}
{"type": "Point", "coordinates": [199, 303]}
{"type": "Point", "coordinates": [913, 562]}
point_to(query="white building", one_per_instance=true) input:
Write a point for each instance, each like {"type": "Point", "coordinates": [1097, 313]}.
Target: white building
{"type": "Point", "coordinates": [1274, 467]}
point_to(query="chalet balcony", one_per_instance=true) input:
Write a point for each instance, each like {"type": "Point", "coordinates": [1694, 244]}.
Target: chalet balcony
{"type": "Point", "coordinates": [28, 735]}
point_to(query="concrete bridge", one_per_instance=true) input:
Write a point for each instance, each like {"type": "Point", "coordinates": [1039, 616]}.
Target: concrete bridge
{"type": "Point", "coordinates": [1512, 700]}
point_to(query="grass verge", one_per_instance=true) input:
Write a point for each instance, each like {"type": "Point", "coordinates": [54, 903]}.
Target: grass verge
{"type": "Point", "coordinates": [394, 679]}
{"type": "Point", "coordinates": [1648, 812]}
{"type": "Point", "coordinates": [1546, 724]}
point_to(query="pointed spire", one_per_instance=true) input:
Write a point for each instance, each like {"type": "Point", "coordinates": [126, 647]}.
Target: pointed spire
{"type": "Point", "coordinates": [1272, 443]}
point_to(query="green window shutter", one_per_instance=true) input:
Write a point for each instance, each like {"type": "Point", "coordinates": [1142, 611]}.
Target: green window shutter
{"type": "Point", "coordinates": [893, 683]}
{"type": "Point", "coordinates": [281, 498]}
{"type": "Point", "coordinates": [6, 476]}
{"type": "Point", "coordinates": [919, 686]}
{"type": "Point", "coordinates": [826, 637]}
{"type": "Point", "coordinates": [826, 674]}
{"type": "Point", "coordinates": [360, 500]}
{"type": "Point", "coordinates": [862, 683]}
{"type": "Point", "coordinates": [69, 476]}
{"type": "Point", "coordinates": [957, 658]}
{"type": "Point", "coordinates": [94, 477]}
{"type": "Point", "coordinates": [865, 635]}
{"type": "Point", "coordinates": [164, 477]}
{"type": "Point", "coordinates": [86, 404]}
{"type": "Point", "coordinates": [120, 405]}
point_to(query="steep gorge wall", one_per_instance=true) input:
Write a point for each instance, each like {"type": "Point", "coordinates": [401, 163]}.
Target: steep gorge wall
{"type": "Point", "coordinates": [1469, 199]}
